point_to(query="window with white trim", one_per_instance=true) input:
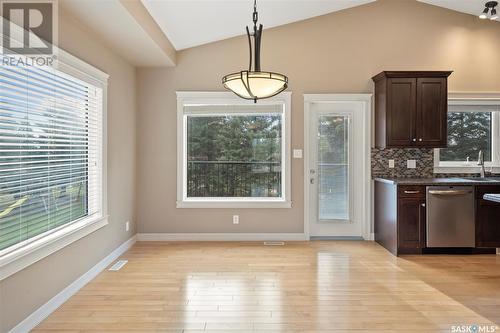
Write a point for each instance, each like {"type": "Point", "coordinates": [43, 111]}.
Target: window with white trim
{"type": "Point", "coordinates": [233, 153]}
{"type": "Point", "coordinates": [473, 126]}
{"type": "Point", "coordinates": [51, 153]}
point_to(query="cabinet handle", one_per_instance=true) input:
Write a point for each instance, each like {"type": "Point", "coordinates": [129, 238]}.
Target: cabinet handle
{"type": "Point", "coordinates": [412, 192]}
{"type": "Point", "coordinates": [449, 192]}
{"type": "Point", "coordinates": [423, 205]}
{"type": "Point", "coordinates": [420, 139]}
{"type": "Point", "coordinates": [414, 140]}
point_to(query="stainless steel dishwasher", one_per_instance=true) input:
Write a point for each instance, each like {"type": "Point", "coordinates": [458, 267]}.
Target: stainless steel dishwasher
{"type": "Point", "coordinates": [450, 216]}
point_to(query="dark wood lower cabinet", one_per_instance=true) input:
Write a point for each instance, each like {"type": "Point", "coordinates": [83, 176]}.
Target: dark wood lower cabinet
{"type": "Point", "coordinates": [400, 217]}
{"type": "Point", "coordinates": [400, 220]}
{"type": "Point", "coordinates": [487, 218]}
{"type": "Point", "coordinates": [411, 225]}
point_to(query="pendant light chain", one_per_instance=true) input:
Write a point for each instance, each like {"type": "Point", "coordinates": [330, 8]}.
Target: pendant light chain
{"type": "Point", "coordinates": [255, 16]}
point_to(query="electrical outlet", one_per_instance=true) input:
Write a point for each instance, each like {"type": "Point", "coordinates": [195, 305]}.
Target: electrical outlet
{"type": "Point", "coordinates": [391, 164]}
{"type": "Point", "coordinates": [411, 164]}
{"type": "Point", "coordinates": [297, 153]}
{"type": "Point", "coordinates": [236, 219]}
{"type": "Point", "coordinates": [127, 226]}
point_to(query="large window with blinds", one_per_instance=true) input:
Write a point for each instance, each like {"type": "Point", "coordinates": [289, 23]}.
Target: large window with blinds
{"type": "Point", "coordinates": [50, 153]}
{"type": "Point", "coordinates": [233, 152]}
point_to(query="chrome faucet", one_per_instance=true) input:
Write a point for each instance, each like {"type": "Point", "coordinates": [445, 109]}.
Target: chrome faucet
{"type": "Point", "coordinates": [480, 162]}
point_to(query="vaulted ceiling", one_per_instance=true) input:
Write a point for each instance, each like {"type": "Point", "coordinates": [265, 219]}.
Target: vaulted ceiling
{"type": "Point", "coordinates": [149, 32]}
{"type": "Point", "coordinates": [196, 22]}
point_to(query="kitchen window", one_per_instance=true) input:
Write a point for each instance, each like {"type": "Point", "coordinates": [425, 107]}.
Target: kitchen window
{"type": "Point", "coordinates": [233, 153]}
{"type": "Point", "coordinates": [51, 158]}
{"type": "Point", "coordinates": [473, 126]}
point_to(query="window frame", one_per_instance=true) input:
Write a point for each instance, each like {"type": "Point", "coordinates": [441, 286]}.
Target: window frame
{"type": "Point", "coordinates": [471, 167]}
{"type": "Point", "coordinates": [226, 98]}
{"type": "Point", "coordinates": [22, 255]}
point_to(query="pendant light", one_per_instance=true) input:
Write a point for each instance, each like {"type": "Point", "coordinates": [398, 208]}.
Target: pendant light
{"type": "Point", "coordinates": [253, 83]}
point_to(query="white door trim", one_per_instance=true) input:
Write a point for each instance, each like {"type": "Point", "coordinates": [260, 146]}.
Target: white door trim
{"type": "Point", "coordinates": [366, 99]}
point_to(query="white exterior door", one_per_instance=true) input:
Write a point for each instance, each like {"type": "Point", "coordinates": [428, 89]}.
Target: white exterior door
{"type": "Point", "coordinates": [336, 169]}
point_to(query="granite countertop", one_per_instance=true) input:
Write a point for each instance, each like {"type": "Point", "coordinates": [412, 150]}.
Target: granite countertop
{"type": "Point", "coordinates": [441, 181]}
{"type": "Point", "coordinates": [492, 197]}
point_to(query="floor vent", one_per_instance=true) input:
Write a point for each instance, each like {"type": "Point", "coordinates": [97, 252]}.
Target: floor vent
{"type": "Point", "coordinates": [118, 265]}
{"type": "Point", "coordinates": [274, 243]}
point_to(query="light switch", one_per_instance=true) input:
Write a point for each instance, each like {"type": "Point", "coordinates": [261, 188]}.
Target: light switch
{"type": "Point", "coordinates": [297, 153]}
{"type": "Point", "coordinates": [411, 164]}
{"type": "Point", "coordinates": [391, 164]}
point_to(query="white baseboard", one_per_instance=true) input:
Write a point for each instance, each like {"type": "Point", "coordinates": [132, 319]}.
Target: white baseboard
{"type": "Point", "coordinates": [45, 310]}
{"type": "Point", "coordinates": [164, 237]}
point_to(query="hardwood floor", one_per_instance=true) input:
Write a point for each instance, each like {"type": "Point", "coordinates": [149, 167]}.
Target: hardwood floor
{"type": "Point", "coordinates": [300, 287]}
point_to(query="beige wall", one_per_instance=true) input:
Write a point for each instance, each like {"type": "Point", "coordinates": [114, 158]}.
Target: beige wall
{"type": "Point", "coordinates": [335, 53]}
{"type": "Point", "coordinates": [25, 291]}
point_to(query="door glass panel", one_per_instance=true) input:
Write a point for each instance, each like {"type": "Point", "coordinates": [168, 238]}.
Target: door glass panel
{"type": "Point", "coordinates": [333, 167]}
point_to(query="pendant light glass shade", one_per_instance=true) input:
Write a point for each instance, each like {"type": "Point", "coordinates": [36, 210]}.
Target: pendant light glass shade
{"type": "Point", "coordinates": [255, 85]}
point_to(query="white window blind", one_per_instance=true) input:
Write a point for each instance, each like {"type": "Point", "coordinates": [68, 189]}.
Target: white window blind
{"type": "Point", "coordinates": [50, 153]}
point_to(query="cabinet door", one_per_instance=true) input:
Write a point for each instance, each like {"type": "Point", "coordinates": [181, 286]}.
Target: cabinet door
{"type": "Point", "coordinates": [487, 224]}
{"type": "Point", "coordinates": [401, 108]}
{"type": "Point", "coordinates": [411, 223]}
{"type": "Point", "coordinates": [487, 218]}
{"type": "Point", "coordinates": [432, 106]}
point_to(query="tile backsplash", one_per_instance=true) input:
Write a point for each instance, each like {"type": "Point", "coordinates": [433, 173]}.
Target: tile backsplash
{"type": "Point", "coordinates": [424, 168]}
{"type": "Point", "coordinates": [423, 156]}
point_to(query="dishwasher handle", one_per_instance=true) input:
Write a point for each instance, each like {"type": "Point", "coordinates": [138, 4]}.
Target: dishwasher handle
{"type": "Point", "coordinates": [449, 192]}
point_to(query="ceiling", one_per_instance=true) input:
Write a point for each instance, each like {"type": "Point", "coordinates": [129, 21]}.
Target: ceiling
{"type": "Point", "coordinates": [474, 7]}
{"type": "Point", "coordinates": [123, 26]}
{"type": "Point", "coordinates": [149, 32]}
{"type": "Point", "coordinates": [189, 23]}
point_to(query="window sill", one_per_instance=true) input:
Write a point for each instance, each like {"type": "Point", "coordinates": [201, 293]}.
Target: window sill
{"type": "Point", "coordinates": [25, 256]}
{"type": "Point", "coordinates": [464, 169]}
{"type": "Point", "coordinates": [233, 204]}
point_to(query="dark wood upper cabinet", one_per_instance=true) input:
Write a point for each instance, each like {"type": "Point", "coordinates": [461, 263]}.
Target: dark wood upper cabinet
{"type": "Point", "coordinates": [411, 109]}
{"type": "Point", "coordinates": [401, 116]}
{"type": "Point", "coordinates": [432, 107]}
